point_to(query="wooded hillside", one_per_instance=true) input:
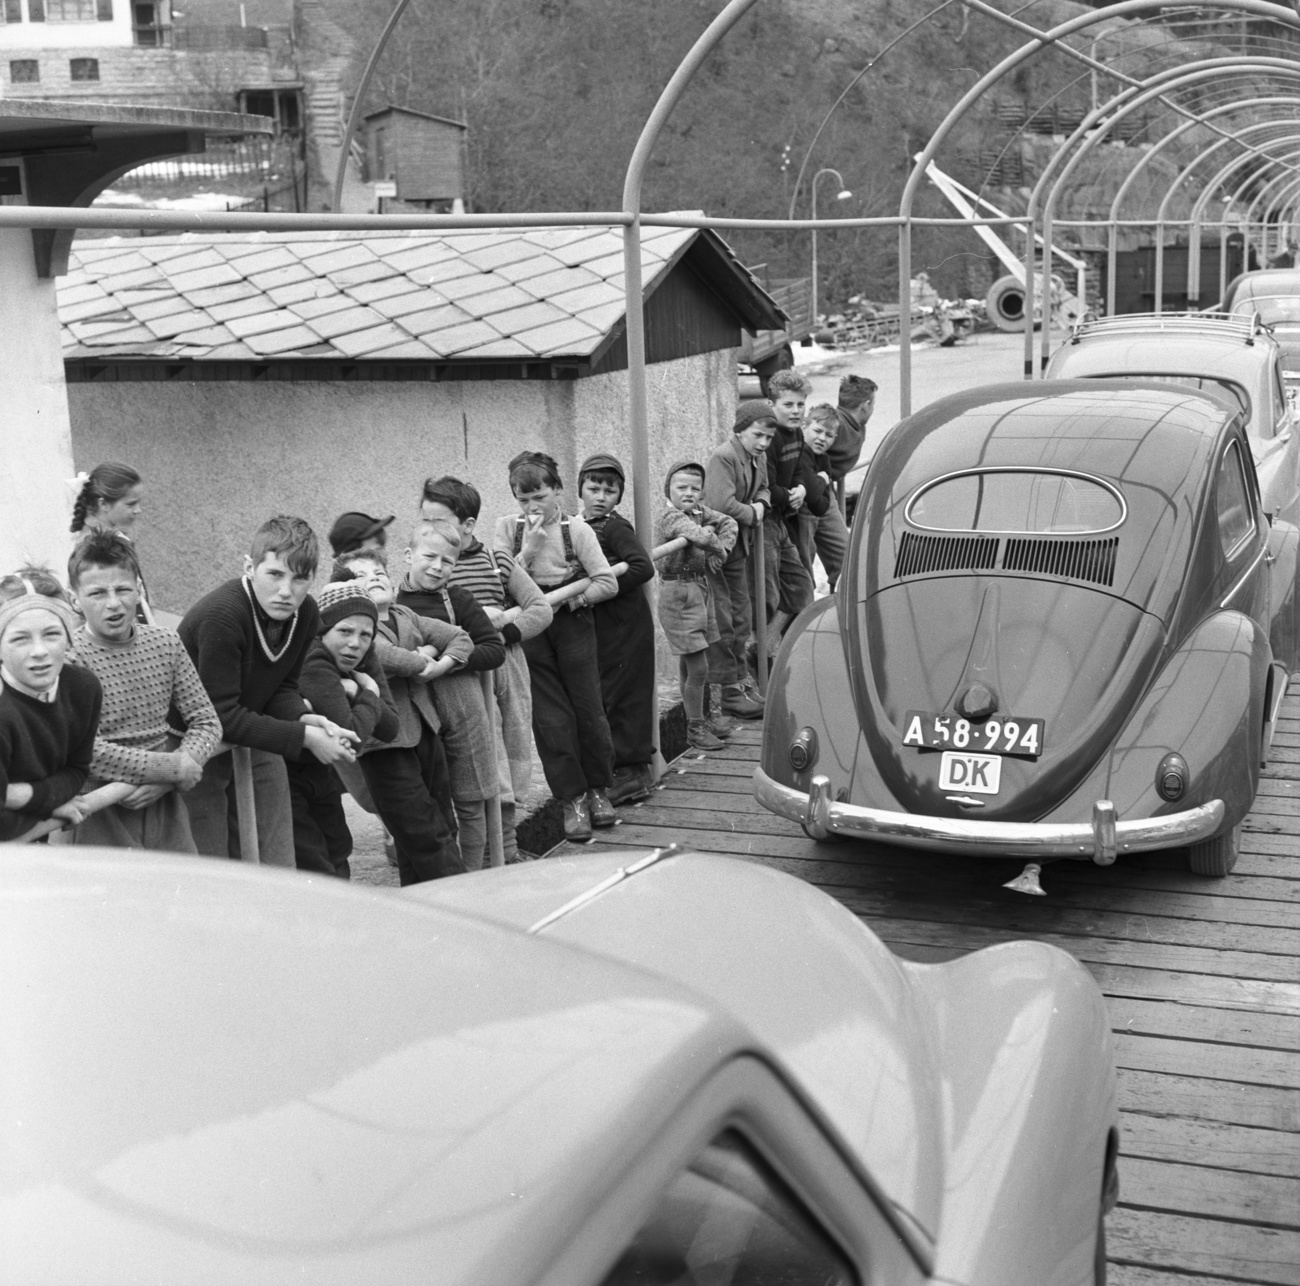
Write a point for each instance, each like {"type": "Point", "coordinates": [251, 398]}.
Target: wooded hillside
{"type": "Point", "coordinates": [555, 93]}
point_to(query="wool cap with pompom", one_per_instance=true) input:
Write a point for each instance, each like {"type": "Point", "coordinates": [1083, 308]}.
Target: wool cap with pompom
{"type": "Point", "coordinates": [754, 411]}
{"type": "Point", "coordinates": [341, 599]}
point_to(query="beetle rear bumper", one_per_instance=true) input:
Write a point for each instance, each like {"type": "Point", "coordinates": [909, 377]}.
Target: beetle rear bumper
{"type": "Point", "coordinates": [1100, 840]}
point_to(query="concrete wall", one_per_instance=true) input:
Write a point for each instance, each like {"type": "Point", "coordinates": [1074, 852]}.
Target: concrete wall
{"type": "Point", "coordinates": [35, 443]}
{"type": "Point", "coordinates": [218, 458]}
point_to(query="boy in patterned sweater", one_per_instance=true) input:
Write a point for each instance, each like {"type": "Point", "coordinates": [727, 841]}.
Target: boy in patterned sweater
{"type": "Point", "coordinates": [145, 672]}
{"type": "Point", "coordinates": [516, 606]}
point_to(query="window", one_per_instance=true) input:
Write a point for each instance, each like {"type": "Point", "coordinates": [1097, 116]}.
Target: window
{"type": "Point", "coordinates": [36, 10]}
{"type": "Point", "coordinates": [1232, 499]}
{"type": "Point", "coordinates": [12, 11]}
{"type": "Point", "coordinates": [1045, 502]}
{"type": "Point", "coordinates": [729, 1218]}
{"type": "Point", "coordinates": [84, 68]}
{"type": "Point", "coordinates": [1272, 310]}
{"type": "Point", "coordinates": [70, 10]}
{"type": "Point", "coordinates": [1229, 390]}
{"type": "Point", "coordinates": [24, 71]}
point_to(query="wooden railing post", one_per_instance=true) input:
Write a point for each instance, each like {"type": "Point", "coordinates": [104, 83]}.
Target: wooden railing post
{"type": "Point", "coordinates": [496, 841]}
{"type": "Point", "coordinates": [245, 804]}
{"type": "Point", "coordinates": [760, 607]}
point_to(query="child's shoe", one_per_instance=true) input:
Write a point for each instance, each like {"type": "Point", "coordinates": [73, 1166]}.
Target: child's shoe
{"type": "Point", "coordinates": [577, 819]}
{"type": "Point", "coordinates": [630, 784]}
{"type": "Point", "coordinates": [601, 810]}
{"type": "Point", "coordinates": [699, 737]}
{"type": "Point", "coordinates": [737, 700]}
{"type": "Point", "coordinates": [717, 719]}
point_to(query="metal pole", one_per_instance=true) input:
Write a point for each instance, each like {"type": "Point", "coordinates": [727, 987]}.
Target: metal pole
{"type": "Point", "coordinates": [245, 804]}
{"type": "Point", "coordinates": [354, 116]}
{"type": "Point", "coordinates": [814, 250]}
{"type": "Point", "coordinates": [760, 609]}
{"type": "Point", "coordinates": [638, 418]}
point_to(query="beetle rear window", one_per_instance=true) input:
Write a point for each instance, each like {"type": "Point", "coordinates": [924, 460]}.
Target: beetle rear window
{"type": "Point", "coordinates": [1272, 309]}
{"type": "Point", "coordinates": [1041, 502]}
{"type": "Point", "coordinates": [1228, 389]}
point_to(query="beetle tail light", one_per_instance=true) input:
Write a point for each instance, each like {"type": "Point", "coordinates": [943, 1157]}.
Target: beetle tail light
{"type": "Point", "coordinates": [1172, 777]}
{"type": "Point", "coordinates": [803, 750]}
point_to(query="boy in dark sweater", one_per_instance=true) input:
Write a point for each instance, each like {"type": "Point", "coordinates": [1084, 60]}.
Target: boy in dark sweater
{"type": "Point", "coordinates": [49, 712]}
{"type": "Point", "coordinates": [248, 639]}
{"type": "Point", "coordinates": [819, 430]}
{"type": "Point", "coordinates": [341, 681]}
{"type": "Point", "coordinates": [789, 586]}
{"type": "Point", "coordinates": [625, 639]}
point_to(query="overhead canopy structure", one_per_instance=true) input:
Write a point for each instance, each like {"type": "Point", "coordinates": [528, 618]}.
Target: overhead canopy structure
{"type": "Point", "coordinates": [60, 155]}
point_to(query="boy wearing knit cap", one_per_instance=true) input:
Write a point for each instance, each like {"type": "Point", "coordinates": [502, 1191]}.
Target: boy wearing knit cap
{"type": "Point", "coordinates": [49, 712]}
{"type": "Point", "coordinates": [735, 483]}
{"type": "Point", "coordinates": [686, 607]}
{"type": "Point", "coordinates": [248, 639]}
{"type": "Point", "coordinates": [145, 673]}
{"type": "Point", "coordinates": [340, 679]}
{"type": "Point", "coordinates": [625, 643]}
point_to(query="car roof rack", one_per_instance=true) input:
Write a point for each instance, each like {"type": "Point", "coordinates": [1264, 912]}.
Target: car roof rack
{"type": "Point", "coordinates": [1227, 325]}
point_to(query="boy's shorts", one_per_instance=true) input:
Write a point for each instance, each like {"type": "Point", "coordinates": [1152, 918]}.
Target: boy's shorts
{"type": "Point", "coordinates": [687, 616]}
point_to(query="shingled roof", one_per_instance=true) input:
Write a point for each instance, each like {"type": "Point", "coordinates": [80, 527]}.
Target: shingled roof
{"type": "Point", "coordinates": [384, 296]}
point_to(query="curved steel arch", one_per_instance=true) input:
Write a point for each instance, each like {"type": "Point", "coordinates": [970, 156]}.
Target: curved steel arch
{"type": "Point", "coordinates": [1040, 41]}
{"type": "Point", "coordinates": [1087, 136]}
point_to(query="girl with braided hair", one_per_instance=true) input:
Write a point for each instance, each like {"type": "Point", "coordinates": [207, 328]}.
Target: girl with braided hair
{"type": "Point", "coordinates": [108, 503]}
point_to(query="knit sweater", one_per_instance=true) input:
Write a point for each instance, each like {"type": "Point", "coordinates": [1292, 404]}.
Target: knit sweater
{"type": "Point", "coordinates": [254, 691]}
{"type": "Point", "coordinates": [629, 607]}
{"type": "Point", "coordinates": [47, 746]}
{"type": "Point", "coordinates": [143, 678]}
{"type": "Point", "coordinates": [365, 714]}
{"type": "Point", "coordinates": [497, 581]}
{"type": "Point", "coordinates": [489, 648]}
{"type": "Point", "coordinates": [710, 534]}
{"type": "Point", "coordinates": [401, 632]}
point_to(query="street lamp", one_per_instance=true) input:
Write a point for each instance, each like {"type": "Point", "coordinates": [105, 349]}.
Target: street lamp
{"type": "Point", "coordinates": [842, 195]}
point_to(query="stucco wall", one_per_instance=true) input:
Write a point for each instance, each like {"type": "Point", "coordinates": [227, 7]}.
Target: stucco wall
{"type": "Point", "coordinates": [35, 447]}
{"type": "Point", "coordinates": [218, 458]}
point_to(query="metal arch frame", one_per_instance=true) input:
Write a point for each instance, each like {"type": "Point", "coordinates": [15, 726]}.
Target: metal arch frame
{"type": "Point", "coordinates": [1161, 221]}
{"type": "Point", "coordinates": [1224, 221]}
{"type": "Point", "coordinates": [1088, 136]}
{"type": "Point", "coordinates": [1262, 223]}
{"type": "Point", "coordinates": [1196, 213]}
{"type": "Point", "coordinates": [1040, 41]}
{"type": "Point", "coordinates": [1142, 164]}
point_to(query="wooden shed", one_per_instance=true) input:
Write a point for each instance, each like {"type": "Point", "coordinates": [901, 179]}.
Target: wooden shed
{"type": "Point", "coordinates": [422, 154]}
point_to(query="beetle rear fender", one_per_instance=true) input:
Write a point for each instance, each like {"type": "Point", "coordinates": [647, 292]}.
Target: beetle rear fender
{"type": "Point", "coordinates": [809, 687]}
{"type": "Point", "coordinates": [1206, 704]}
{"type": "Point", "coordinates": [1030, 1099]}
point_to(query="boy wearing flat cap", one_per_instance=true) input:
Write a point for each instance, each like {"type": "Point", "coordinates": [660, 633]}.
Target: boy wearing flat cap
{"type": "Point", "coordinates": [625, 643]}
{"type": "Point", "coordinates": [354, 530]}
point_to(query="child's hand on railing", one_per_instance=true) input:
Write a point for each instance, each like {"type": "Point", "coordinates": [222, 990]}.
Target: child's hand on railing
{"type": "Point", "coordinates": [143, 796]}
{"type": "Point", "coordinates": [72, 812]}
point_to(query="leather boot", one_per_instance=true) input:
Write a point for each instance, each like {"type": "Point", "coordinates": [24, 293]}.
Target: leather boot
{"type": "Point", "coordinates": [577, 819]}
{"type": "Point", "coordinates": [739, 702]}
{"type": "Point", "coordinates": [601, 810]}
{"type": "Point", "coordinates": [699, 736]}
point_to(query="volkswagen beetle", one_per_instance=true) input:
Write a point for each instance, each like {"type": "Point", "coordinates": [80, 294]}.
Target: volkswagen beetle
{"type": "Point", "coordinates": [1064, 631]}
{"type": "Point", "coordinates": [614, 1069]}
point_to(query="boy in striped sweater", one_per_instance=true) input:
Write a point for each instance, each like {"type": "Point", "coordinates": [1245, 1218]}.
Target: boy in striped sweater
{"type": "Point", "coordinates": [515, 605]}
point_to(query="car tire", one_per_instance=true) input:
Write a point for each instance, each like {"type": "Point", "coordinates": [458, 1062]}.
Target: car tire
{"type": "Point", "coordinates": [1215, 857]}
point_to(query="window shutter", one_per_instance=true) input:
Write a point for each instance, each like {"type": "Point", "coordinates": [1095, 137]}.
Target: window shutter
{"type": "Point", "coordinates": [104, 10]}
{"type": "Point", "coordinates": [36, 10]}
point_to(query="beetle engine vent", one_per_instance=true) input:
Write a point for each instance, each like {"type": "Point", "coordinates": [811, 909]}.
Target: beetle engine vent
{"type": "Point", "coordinates": [920, 554]}
{"type": "Point", "coordinates": [1092, 560]}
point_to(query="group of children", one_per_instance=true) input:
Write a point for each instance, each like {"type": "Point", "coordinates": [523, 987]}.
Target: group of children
{"type": "Point", "coordinates": [421, 693]}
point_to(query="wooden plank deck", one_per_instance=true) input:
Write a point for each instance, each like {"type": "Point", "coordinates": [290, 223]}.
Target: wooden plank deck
{"type": "Point", "coordinates": [1202, 978]}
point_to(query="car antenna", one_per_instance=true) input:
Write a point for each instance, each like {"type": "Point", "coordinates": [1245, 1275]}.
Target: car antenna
{"type": "Point", "coordinates": [1027, 881]}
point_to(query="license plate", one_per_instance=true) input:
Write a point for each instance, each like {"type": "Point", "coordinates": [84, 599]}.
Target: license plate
{"type": "Point", "coordinates": [997, 736]}
{"type": "Point", "coordinates": [979, 773]}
